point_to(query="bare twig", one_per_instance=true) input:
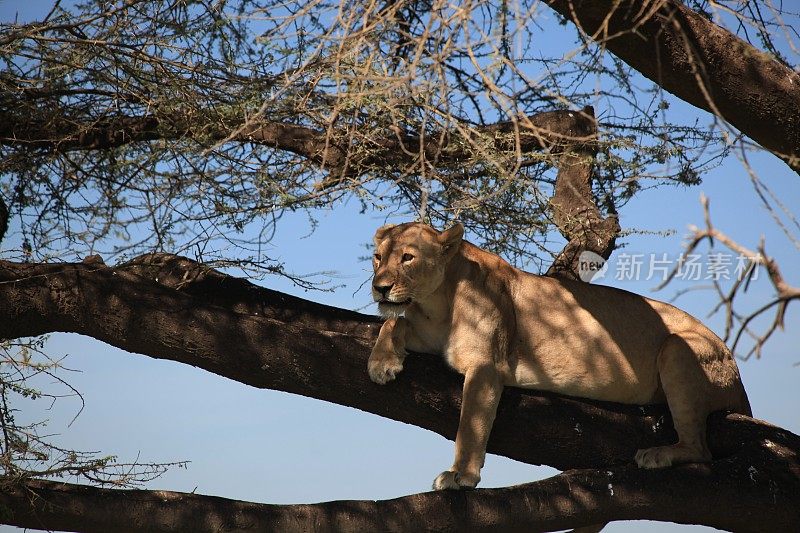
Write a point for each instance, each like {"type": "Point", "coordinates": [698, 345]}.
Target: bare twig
{"type": "Point", "coordinates": [784, 292]}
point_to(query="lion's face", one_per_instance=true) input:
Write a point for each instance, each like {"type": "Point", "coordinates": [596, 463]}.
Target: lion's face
{"type": "Point", "coordinates": [409, 263]}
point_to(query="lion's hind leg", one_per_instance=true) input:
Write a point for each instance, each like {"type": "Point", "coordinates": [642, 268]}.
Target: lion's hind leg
{"type": "Point", "coordinates": [688, 391]}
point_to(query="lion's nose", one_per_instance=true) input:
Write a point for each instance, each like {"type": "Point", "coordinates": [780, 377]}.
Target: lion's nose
{"type": "Point", "coordinates": [383, 290]}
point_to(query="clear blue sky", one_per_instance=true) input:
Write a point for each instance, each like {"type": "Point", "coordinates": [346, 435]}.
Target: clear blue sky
{"type": "Point", "coordinates": [273, 447]}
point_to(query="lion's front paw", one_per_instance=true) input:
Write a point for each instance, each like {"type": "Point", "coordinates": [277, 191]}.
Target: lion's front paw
{"type": "Point", "coordinates": [449, 480]}
{"type": "Point", "coordinates": [657, 457]}
{"type": "Point", "coordinates": [663, 456]}
{"type": "Point", "coordinates": [384, 369]}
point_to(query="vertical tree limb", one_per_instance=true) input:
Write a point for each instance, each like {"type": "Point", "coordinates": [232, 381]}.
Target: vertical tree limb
{"type": "Point", "coordinates": [575, 211]}
{"type": "Point", "coordinates": [4, 216]}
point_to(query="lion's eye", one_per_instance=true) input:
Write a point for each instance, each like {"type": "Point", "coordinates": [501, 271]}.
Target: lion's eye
{"type": "Point", "coordinates": [377, 257]}
{"type": "Point", "coordinates": [407, 257]}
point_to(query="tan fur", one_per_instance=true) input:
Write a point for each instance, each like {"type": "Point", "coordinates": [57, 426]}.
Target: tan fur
{"type": "Point", "coordinates": [500, 326]}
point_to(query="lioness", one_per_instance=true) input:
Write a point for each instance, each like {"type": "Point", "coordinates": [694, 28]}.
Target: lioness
{"type": "Point", "coordinates": [498, 326]}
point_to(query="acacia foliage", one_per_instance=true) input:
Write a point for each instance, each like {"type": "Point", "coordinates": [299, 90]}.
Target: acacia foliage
{"type": "Point", "coordinates": [136, 126]}
{"type": "Point", "coordinates": [192, 127]}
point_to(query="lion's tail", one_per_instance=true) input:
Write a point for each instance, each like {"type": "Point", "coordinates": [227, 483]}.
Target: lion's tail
{"type": "Point", "coordinates": [744, 403]}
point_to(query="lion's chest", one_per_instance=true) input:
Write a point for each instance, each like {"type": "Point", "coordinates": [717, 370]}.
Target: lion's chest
{"type": "Point", "coordinates": [427, 334]}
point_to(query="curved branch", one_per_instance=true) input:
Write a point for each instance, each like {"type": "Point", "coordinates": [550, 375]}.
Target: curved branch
{"type": "Point", "coordinates": [701, 63]}
{"type": "Point", "coordinates": [172, 308]}
{"type": "Point", "coordinates": [691, 494]}
{"type": "Point", "coordinates": [575, 210]}
{"type": "Point", "coordinates": [332, 150]}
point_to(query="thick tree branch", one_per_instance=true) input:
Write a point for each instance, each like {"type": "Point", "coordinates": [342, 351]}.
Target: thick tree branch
{"type": "Point", "coordinates": [330, 149]}
{"type": "Point", "coordinates": [61, 134]}
{"type": "Point", "coordinates": [172, 308]}
{"type": "Point", "coordinates": [234, 329]}
{"type": "Point", "coordinates": [730, 494]}
{"type": "Point", "coordinates": [701, 63]}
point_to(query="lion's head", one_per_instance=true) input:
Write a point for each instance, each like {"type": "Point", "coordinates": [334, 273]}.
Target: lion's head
{"type": "Point", "coordinates": [409, 262]}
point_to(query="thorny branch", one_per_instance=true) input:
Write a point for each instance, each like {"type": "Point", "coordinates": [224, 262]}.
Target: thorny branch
{"type": "Point", "coordinates": [236, 113]}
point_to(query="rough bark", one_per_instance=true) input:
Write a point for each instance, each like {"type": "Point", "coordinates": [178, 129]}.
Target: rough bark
{"type": "Point", "coordinates": [172, 308]}
{"type": "Point", "coordinates": [332, 150]}
{"type": "Point", "coordinates": [569, 135]}
{"type": "Point", "coordinates": [727, 494]}
{"type": "Point", "coordinates": [575, 211]}
{"type": "Point", "coordinates": [700, 63]}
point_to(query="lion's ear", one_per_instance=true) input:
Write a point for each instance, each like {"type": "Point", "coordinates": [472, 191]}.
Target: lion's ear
{"type": "Point", "coordinates": [381, 233]}
{"type": "Point", "coordinates": [450, 239]}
